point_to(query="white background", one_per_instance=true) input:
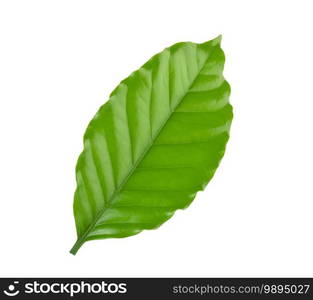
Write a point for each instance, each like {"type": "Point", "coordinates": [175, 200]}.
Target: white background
{"type": "Point", "coordinates": [59, 60]}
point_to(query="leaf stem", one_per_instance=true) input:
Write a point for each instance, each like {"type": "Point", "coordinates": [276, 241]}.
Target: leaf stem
{"type": "Point", "coordinates": [76, 246]}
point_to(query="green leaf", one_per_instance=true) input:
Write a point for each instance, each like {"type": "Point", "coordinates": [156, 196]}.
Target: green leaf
{"type": "Point", "coordinates": [154, 144]}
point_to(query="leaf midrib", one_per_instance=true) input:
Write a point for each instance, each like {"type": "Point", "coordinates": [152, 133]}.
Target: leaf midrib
{"type": "Point", "coordinates": [82, 239]}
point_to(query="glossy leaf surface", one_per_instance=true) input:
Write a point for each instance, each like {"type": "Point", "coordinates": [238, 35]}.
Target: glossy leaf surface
{"type": "Point", "coordinates": [154, 144]}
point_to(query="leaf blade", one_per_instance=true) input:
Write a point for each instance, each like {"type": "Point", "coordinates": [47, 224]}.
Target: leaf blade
{"type": "Point", "coordinates": [175, 103]}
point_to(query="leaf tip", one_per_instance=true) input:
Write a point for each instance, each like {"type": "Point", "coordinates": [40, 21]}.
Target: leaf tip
{"type": "Point", "coordinates": [212, 43]}
{"type": "Point", "coordinates": [217, 40]}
